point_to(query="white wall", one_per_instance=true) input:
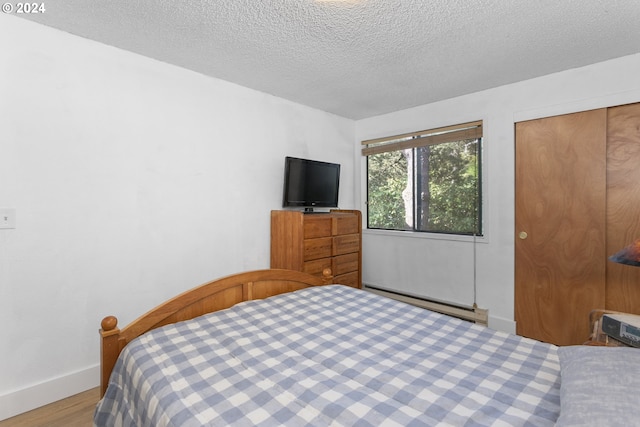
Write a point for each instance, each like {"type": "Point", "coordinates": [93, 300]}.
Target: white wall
{"type": "Point", "coordinates": [133, 180]}
{"type": "Point", "coordinates": [430, 266]}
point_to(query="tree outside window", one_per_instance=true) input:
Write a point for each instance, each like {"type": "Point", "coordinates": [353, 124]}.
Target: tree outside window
{"type": "Point", "coordinates": [433, 187]}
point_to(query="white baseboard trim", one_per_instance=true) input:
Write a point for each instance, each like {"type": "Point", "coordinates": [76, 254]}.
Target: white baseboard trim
{"type": "Point", "coordinates": [502, 324]}
{"type": "Point", "coordinates": [25, 399]}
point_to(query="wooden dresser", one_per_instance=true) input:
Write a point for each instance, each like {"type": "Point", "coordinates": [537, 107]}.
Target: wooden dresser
{"type": "Point", "coordinates": [311, 242]}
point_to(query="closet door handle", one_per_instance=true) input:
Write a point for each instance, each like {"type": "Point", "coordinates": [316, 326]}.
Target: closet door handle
{"type": "Point", "coordinates": [523, 235]}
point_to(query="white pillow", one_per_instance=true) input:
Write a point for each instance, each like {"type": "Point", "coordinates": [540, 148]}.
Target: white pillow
{"type": "Point", "coordinates": [600, 386]}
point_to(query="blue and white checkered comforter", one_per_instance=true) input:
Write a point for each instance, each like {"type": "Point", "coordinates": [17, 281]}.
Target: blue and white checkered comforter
{"type": "Point", "coordinates": [331, 356]}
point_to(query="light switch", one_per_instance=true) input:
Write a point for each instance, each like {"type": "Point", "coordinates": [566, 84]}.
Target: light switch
{"type": "Point", "coordinates": [7, 217]}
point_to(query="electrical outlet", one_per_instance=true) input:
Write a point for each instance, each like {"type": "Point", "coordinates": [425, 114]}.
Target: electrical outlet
{"type": "Point", "coordinates": [7, 217]}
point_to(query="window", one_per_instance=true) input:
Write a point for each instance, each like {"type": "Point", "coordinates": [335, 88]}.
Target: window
{"type": "Point", "coordinates": [426, 181]}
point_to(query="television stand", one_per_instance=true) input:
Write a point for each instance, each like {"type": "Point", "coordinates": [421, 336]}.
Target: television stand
{"type": "Point", "coordinates": [312, 243]}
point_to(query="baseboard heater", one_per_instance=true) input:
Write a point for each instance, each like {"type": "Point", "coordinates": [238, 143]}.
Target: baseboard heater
{"type": "Point", "coordinates": [472, 314]}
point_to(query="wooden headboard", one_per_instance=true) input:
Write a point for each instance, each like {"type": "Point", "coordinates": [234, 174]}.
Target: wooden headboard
{"type": "Point", "coordinates": [207, 298]}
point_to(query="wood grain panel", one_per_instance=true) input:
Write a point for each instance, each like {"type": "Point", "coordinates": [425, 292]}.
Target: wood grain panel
{"type": "Point", "coordinates": [317, 248]}
{"type": "Point", "coordinates": [346, 244]}
{"type": "Point", "coordinates": [346, 224]}
{"type": "Point", "coordinates": [287, 235]}
{"type": "Point", "coordinates": [623, 205]}
{"type": "Point", "coordinates": [349, 279]}
{"type": "Point", "coordinates": [317, 266]}
{"type": "Point", "coordinates": [345, 263]}
{"type": "Point", "coordinates": [317, 225]}
{"type": "Point", "coordinates": [560, 205]}
{"type": "Point", "coordinates": [275, 287]}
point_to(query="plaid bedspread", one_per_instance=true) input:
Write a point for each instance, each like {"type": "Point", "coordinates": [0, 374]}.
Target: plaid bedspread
{"type": "Point", "coordinates": [331, 356]}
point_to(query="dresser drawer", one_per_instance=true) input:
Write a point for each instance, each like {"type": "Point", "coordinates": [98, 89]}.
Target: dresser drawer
{"type": "Point", "coordinates": [349, 279]}
{"type": "Point", "coordinates": [346, 224]}
{"type": "Point", "coordinates": [346, 244]}
{"type": "Point", "coordinates": [316, 266]}
{"type": "Point", "coordinates": [317, 248]}
{"type": "Point", "coordinates": [317, 225]}
{"type": "Point", "coordinates": [345, 263]}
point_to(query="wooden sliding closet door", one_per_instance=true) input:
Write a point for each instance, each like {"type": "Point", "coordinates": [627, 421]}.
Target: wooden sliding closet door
{"type": "Point", "coordinates": [560, 208]}
{"type": "Point", "coordinates": [623, 205]}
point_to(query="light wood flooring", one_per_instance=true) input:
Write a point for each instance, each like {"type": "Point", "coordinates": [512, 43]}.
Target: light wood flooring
{"type": "Point", "coordinates": [74, 411]}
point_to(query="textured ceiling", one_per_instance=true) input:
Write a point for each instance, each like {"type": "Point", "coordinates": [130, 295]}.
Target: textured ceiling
{"type": "Point", "coordinates": [360, 58]}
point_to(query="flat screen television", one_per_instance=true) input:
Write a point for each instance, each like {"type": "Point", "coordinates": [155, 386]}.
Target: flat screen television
{"type": "Point", "coordinates": [310, 184]}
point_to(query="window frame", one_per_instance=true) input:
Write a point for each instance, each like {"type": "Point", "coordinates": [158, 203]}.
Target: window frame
{"type": "Point", "coordinates": [413, 140]}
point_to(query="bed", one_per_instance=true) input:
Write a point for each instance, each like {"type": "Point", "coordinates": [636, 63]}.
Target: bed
{"type": "Point", "coordinates": [283, 348]}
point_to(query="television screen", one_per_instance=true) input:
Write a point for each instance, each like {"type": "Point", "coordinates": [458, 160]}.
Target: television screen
{"type": "Point", "coordinates": [310, 183]}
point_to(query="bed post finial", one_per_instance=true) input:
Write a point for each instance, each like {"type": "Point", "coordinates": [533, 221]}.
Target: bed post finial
{"type": "Point", "coordinates": [327, 276]}
{"type": "Point", "coordinates": [109, 323]}
{"type": "Point", "coordinates": [109, 350]}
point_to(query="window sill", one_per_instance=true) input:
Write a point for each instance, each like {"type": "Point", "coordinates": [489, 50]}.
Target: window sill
{"type": "Point", "coordinates": [425, 235]}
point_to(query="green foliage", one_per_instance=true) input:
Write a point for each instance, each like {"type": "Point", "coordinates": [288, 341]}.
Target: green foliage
{"type": "Point", "coordinates": [387, 179]}
{"type": "Point", "coordinates": [446, 187]}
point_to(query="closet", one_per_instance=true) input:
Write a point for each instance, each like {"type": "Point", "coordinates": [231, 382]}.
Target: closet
{"type": "Point", "coordinates": [577, 201]}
